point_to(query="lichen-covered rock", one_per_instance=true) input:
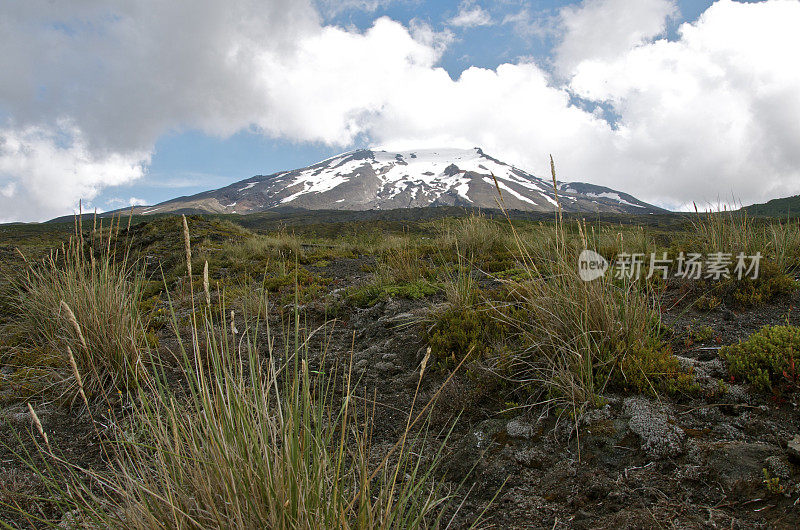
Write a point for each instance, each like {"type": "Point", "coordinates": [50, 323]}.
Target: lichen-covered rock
{"type": "Point", "coordinates": [778, 466]}
{"type": "Point", "coordinates": [385, 367]}
{"type": "Point", "coordinates": [518, 428]}
{"type": "Point", "coordinates": [793, 448]}
{"type": "Point", "coordinates": [660, 437]}
{"type": "Point", "coordinates": [533, 458]}
{"type": "Point", "coordinates": [737, 462]}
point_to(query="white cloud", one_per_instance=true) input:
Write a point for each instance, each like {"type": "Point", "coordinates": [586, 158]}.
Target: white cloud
{"type": "Point", "coordinates": [423, 33]}
{"type": "Point", "coordinates": [714, 115]}
{"type": "Point", "coordinates": [527, 24]}
{"type": "Point", "coordinates": [603, 29]}
{"type": "Point", "coordinates": [58, 170]}
{"type": "Point", "coordinates": [335, 7]}
{"type": "Point", "coordinates": [116, 202]}
{"type": "Point", "coordinates": [122, 74]}
{"type": "Point", "coordinates": [90, 89]}
{"type": "Point", "coordinates": [470, 16]}
{"type": "Point", "coordinates": [8, 190]}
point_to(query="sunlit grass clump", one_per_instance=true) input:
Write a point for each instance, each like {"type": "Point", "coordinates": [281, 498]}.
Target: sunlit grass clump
{"type": "Point", "coordinates": [248, 436]}
{"type": "Point", "coordinates": [81, 302]}
{"type": "Point", "coordinates": [558, 337]}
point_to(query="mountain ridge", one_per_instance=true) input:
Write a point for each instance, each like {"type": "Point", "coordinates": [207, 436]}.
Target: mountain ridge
{"type": "Point", "coordinates": [780, 207]}
{"type": "Point", "coordinates": [372, 179]}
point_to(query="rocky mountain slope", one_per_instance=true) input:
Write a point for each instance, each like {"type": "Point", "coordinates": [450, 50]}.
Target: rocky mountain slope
{"type": "Point", "coordinates": [382, 180]}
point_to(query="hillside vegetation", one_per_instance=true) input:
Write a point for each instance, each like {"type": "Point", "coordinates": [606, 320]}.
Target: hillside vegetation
{"type": "Point", "coordinates": [402, 369]}
{"type": "Point", "coordinates": [783, 207]}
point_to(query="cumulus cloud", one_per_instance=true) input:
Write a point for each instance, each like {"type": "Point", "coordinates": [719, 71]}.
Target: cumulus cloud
{"type": "Point", "coordinates": [90, 88]}
{"type": "Point", "coordinates": [122, 74]}
{"type": "Point", "coordinates": [603, 29]}
{"type": "Point", "coordinates": [58, 170]}
{"type": "Point", "coordinates": [712, 115]}
{"type": "Point", "coordinates": [470, 16]}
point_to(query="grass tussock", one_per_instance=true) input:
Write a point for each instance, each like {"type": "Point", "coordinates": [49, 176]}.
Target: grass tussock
{"type": "Point", "coordinates": [475, 236]}
{"type": "Point", "coordinates": [579, 338]}
{"type": "Point", "coordinates": [81, 300]}
{"type": "Point", "coordinates": [733, 232]}
{"type": "Point", "coordinates": [574, 339]}
{"type": "Point", "coordinates": [253, 449]}
{"type": "Point", "coordinates": [252, 437]}
{"type": "Point", "coordinates": [777, 245]}
{"type": "Point", "coordinates": [596, 335]}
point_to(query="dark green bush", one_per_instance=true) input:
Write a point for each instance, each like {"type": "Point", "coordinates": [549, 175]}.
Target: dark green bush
{"type": "Point", "coordinates": [766, 358]}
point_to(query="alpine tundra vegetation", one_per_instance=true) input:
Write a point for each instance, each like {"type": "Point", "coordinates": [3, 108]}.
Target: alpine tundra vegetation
{"type": "Point", "coordinates": [272, 370]}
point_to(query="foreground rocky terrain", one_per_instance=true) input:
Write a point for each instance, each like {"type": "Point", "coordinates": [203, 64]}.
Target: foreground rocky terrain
{"type": "Point", "coordinates": [714, 453]}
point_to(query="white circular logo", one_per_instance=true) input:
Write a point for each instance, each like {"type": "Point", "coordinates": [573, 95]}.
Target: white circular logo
{"type": "Point", "coordinates": [591, 265]}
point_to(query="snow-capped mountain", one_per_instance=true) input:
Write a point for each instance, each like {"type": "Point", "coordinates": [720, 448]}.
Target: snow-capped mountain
{"type": "Point", "coordinates": [373, 179]}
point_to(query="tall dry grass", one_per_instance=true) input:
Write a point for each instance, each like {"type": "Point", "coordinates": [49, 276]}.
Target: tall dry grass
{"type": "Point", "coordinates": [401, 260]}
{"type": "Point", "coordinates": [731, 231]}
{"type": "Point", "coordinates": [577, 338]}
{"type": "Point", "coordinates": [82, 299]}
{"type": "Point", "coordinates": [263, 445]}
{"type": "Point", "coordinates": [250, 436]}
{"type": "Point", "coordinates": [474, 236]}
{"type": "Point", "coordinates": [581, 336]}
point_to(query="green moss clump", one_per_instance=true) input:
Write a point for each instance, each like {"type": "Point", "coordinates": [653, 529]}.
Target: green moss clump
{"type": "Point", "coordinates": [516, 274]}
{"type": "Point", "coordinates": [700, 334]}
{"type": "Point", "coordinates": [649, 368]}
{"type": "Point", "coordinates": [413, 290]}
{"type": "Point", "coordinates": [458, 330]}
{"type": "Point", "coordinates": [765, 358]}
{"type": "Point", "coordinates": [369, 295]}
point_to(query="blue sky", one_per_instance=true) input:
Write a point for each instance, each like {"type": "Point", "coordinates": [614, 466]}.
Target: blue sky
{"type": "Point", "coordinates": [673, 101]}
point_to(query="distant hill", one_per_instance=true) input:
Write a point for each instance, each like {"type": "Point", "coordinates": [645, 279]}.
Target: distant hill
{"type": "Point", "coordinates": [776, 207]}
{"type": "Point", "coordinates": [278, 218]}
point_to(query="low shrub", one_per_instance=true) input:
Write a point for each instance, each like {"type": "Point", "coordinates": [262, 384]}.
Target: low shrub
{"type": "Point", "coordinates": [699, 334]}
{"type": "Point", "coordinates": [648, 367]}
{"type": "Point", "coordinates": [772, 282]}
{"type": "Point", "coordinates": [766, 359]}
{"type": "Point", "coordinates": [457, 331]}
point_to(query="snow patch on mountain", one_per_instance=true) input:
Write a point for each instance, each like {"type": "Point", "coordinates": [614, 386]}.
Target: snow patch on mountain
{"type": "Point", "coordinates": [378, 179]}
